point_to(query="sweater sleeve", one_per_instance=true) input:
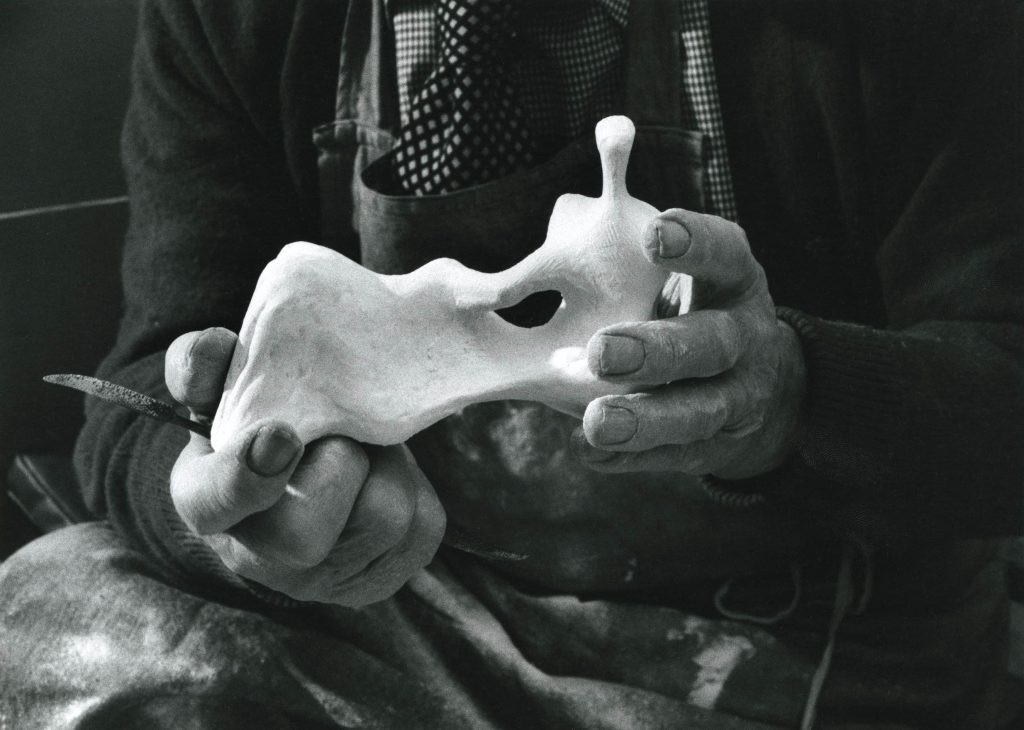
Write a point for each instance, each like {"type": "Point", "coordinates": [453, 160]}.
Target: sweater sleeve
{"type": "Point", "coordinates": [916, 430]}
{"type": "Point", "coordinates": [211, 202]}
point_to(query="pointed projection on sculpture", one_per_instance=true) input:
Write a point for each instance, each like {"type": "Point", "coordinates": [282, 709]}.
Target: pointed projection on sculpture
{"type": "Point", "coordinates": [330, 347]}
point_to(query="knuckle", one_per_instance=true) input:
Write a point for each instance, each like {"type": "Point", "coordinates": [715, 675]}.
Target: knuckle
{"type": "Point", "coordinates": [302, 553]}
{"type": "Point", "coordinates": [706, 424]}
{"type": "Point", "coordinates": [729, 338]}
{"type": "Point", "coordinates": [338, 460]}
{"type": "Point", "coordinates": [718, 409]}
{"type": "Point", "coordinates": [387, 511]}
{"type": "Point", "coordinates": [666, 348]}
{"type": "Point", "coordinates": [397, 519]}
{"type": "Point", "coordinates": [706, 419]}
{"type": "Point", "coordinates": [677, 349]}
{"type": "Point", "coordinates": [741, 409]}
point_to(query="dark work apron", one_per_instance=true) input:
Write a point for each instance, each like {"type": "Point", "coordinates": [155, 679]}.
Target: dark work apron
{"type": "Point", "coordinates": [503, 470]}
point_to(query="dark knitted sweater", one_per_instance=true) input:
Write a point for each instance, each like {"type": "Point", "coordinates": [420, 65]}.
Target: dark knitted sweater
{"type": "Point", "coordinates": [876, 155]}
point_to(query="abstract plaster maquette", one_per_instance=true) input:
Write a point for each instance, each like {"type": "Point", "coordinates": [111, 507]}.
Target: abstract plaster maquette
{"type": "Point", "coordinates": [330, 347]}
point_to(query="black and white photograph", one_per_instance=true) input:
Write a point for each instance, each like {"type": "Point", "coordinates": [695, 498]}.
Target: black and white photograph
{"type": "Point", "coordinates": [511, 364]}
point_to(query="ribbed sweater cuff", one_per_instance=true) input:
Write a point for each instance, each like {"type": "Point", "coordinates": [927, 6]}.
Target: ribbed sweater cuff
{"type": "Point", "coordinates": [192, 562]}
{"type": "Point", "coordinates": [199, 556]}
{"type": "Point", "coordinates": [854, 398]}
{"type": "Point", "coordinates": [205, 561]}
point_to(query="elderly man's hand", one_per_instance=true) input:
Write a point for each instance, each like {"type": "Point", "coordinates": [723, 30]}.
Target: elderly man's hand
{"type": "Point", "coordinates": [328, 522]}
{"type": "Point", "coordinates": [723, 383]}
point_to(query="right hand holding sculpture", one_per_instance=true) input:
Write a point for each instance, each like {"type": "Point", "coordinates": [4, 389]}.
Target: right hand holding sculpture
{"type": "Point", "coordinates": [329, 522]}
{"type": "Point", "coordinates": [722, 386]}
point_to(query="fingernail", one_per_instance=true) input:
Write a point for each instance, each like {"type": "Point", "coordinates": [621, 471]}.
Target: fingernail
{"type": "Point", "coordinates": [271, 451]}
{"type": "Point", "coordinates": [619, 355]}
{"type": "Point", "coordinates": [673, 239]}
{"type": "Point", "coordinates": [200, 356]}
{"type": "Point", "coordinates": [616, 426]}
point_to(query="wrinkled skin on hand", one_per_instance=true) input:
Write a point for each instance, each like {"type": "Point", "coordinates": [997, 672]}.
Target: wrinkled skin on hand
{"type": "Point", "coordinates": [723, 383]}
{"type": "Point", "coordinates": [328, 521]}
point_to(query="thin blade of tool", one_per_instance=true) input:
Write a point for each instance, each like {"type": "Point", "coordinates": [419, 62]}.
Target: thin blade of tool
{"type": "Point", "coordinates": [122, 396]}
{"type": "Point", "coordinates": [455, 537]}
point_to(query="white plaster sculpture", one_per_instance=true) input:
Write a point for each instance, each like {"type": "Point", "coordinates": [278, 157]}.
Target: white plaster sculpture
{"type": "Point", "coordinates": [387, 356]}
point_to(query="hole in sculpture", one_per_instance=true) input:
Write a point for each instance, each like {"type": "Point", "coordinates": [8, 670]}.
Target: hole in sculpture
{"type": "Point", "coordinates": [535, 310]}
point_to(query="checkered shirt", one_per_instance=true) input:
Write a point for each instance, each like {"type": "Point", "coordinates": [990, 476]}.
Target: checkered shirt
{"type": "Point", "coordinates": [701, 108]}
{"type": "Point", "coordinates": [568, 73]}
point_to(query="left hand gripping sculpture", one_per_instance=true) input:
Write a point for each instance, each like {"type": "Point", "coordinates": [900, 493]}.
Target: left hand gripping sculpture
{"type": "Point", "coordinates": [330, 347]}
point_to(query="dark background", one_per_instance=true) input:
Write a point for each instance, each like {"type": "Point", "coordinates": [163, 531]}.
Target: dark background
{"type": "Point", "coordinates": [64, 84]}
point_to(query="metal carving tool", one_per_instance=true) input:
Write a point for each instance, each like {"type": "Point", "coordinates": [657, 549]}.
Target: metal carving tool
{"type": "Point", "coordinates": [122, 396]}
{"type": "Point", "coordinates": [454, 537]}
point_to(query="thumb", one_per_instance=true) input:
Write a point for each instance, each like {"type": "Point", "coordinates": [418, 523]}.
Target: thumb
{"type": "Point", "coordinates": [214, 490]}
{"type": "Point", "coordinates": [713, 250]}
